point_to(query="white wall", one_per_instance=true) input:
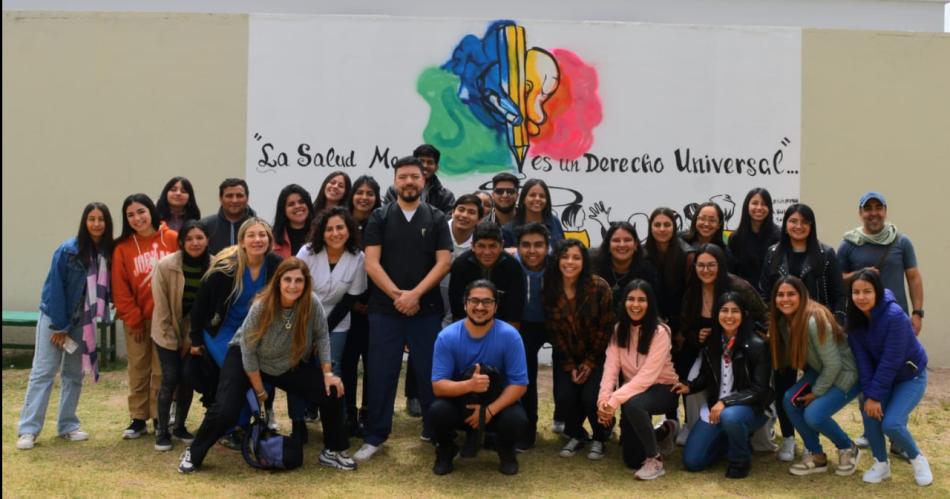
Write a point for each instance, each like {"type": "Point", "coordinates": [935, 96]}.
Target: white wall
{"type": "Point", "coordinates": [903, 15]}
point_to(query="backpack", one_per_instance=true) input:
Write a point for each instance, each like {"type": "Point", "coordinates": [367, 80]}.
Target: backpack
{"type": "Point", "coordinates": [266, 449]}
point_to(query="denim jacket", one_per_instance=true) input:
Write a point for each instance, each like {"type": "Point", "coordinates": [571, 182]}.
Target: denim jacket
{"type": "Point", "coordinates": [64, 287]}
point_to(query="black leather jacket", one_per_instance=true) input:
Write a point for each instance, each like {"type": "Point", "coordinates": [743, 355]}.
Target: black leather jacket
{"type": "Point", "coordinates": [751, 370]}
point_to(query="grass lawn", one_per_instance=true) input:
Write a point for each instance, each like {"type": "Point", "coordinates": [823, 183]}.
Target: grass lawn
{"type": "Point", "coordinates": [108, 466]}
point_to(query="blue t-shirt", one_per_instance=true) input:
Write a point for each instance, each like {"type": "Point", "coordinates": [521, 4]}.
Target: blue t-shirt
{"type": "Point", "coordinates": [852, 257]}
{"type": "Point", "coordinates": [217, 346]}
{"type": "Point", "coordinates": [456, 351]}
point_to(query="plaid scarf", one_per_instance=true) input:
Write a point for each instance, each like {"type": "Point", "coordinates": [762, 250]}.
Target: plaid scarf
{"type": "Point", "coordinates": [94, 307]}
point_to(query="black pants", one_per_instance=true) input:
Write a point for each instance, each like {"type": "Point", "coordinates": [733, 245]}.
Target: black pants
{"type": "Point", "coordinates": [305, 380]}
{"type": "Point", "coordinates": [202, 373]}
{"type": "Point", "coordinates": [174, 382]}
{"type": "Point", "coordinates": [784, 379]}
{"type": "Point", "coordinates": [410, 388]}
{"type": "Point", "coordinates": [636, 424]}
{"type": "Point", "coordinates": [448, 415]}
{"type": "Point", "coordinates": [579, 402]}
{"type": "Point", "coordinates": [534, 337]}
{"type": "Point", "coordinates": [357, 346]}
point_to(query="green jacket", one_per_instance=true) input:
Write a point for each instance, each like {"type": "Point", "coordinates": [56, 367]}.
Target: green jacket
{"type": "Point", "coordinates": [833, 361]}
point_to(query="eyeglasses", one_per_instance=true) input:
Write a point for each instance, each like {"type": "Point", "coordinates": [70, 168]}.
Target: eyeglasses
{"type": "Point", "coordinates": [485, 302]}
{"type": "Point", "coordinates": [707, 266]}
{"type": "Point", "coordinates": [505, 191]}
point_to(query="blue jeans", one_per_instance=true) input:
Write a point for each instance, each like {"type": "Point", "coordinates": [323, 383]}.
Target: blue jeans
{"type": "Point", "coordinates": [47, 360]}
{"type": "Point", "coordinates": [707, 443]}
{"type": "Point", "coordinates": [337, 345]}
{"type": "Point", "coordinates": [388, 335]}
{"type": "Point", "coordinates": [897, 406]}
{"type": "Point", "coordinates": [817, 417]}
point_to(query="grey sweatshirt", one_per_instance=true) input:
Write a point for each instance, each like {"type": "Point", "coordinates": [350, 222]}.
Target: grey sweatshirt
{"type": "Point", "coordinates": [272, 353]}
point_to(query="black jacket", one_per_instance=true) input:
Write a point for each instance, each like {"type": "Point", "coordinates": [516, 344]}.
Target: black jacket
{"type": "Point", "coordinates": [219, 229]}
{"type": "Point", "coordinates": [507, 275]}
{"type": "Point", "coordinates": [212, 303]}
{"type": "Point", "coordinates": [433, 193]}
{"type": "Point", "coordinates": [824, 282]}
{"type": "Point", "coordinates": [751, 370]}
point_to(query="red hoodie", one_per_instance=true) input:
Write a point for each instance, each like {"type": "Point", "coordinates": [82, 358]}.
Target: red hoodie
{"type": "Point", "coordinates": [132, 262]}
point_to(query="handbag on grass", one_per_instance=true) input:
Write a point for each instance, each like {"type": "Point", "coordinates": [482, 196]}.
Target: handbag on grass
{"type": "Point", "coordinates": [264, 448]}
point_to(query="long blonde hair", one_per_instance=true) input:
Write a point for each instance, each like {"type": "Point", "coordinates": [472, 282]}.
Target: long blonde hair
{"type": "Point", "coordinates": [233, 260]}
{"type": "Point", "coordinates": [269, 298]}
{"type": "Point", "coordinates": [798, 325]}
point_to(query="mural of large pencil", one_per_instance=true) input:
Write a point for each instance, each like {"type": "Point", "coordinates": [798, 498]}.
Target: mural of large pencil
{"type": "Point", "coordinates": [511, 55]}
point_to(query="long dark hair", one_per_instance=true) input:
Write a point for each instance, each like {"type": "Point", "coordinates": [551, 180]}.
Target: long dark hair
{"type": "Point", "coordinates": [280, 216]}
{"type": "Point", "coordinates": [521, 211]}
{"type": "Point", "coordinates": [649, 323]}
{"type": "Point", "coordinates": [671, 263]}
{"type": "Point", "coordinates": [192, 212]}
{"type": "Point", "coordinates": [88, 247]}
{"type": "Point", "coordinates": [320, 226]}
{"type": "Point", "coordinates": [604, 259]}
{"type": "Point", "coordinates": [372, 183]}
{"type": "Point", "coordinates": [745, 328]}
{"type": "Point", "coordinates": [693, 297]}
{"type": "Point", "coordinates": [813, 251]}
{"type": "Point", "coordinates": [144, 200]}
{"type": "Point", "coordinates": [554, 280]}
{"type": "Point", "coordinates": [189, 226]}
{"type": "Point", "coordinates": [768, 229]}
{"type": "Point", "coordinates": [856, 318]}
{"type": "Point", "coordinates": [321, 202]}
{"type": "Point", "coordinates": [692, 235]}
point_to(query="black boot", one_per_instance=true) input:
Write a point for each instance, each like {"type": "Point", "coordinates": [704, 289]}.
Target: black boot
{"type": "Point", "coordinates": [508, 461]}
{"type": "Point", "coordinates": [738, 469]}
{"type": "Point", "coordinates": [444, 455]}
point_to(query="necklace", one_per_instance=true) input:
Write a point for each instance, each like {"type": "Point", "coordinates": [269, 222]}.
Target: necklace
{"type": "Point", "coordinates": [288, 314]}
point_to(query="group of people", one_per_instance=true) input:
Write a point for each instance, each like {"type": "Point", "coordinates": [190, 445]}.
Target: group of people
{"type": "Point", "coordinates": [766, 324]}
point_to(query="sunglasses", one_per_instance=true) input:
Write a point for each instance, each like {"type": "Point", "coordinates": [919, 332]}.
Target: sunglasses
{"type": "Point", "coordinates": [501, 191]}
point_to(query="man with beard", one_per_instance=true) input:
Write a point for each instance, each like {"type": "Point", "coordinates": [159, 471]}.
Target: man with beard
{"type": "Point", "coordinates": [470, 357]}
{"type": "Point", "coordinates": [504, 194]}
{"type": "Point", "coordinates": [408, 250]}
{"type": "Point", "coordinates": [433, 192]}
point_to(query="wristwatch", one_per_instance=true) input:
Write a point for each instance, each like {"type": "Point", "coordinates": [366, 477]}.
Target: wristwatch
{"type": "Point", "coordinates": [919, 312]}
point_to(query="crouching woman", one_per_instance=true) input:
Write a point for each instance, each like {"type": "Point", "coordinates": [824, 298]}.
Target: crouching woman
{"type": "Point", "coordinates": [285, 325]}
{"type": "Point", "coordinates": [736, 376]}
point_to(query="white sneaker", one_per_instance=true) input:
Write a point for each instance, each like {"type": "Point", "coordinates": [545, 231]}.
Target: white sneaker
{"type": "Point", "coordinates": [848, 460]}
{"type": "Point", "coordinates": [365, 452]}
{"type": "Point", "coordinates": [272, 421]}
{"type": "Point", "coordinates": [682, 436]}
{"type": "Point", "coordinates": [596, 451]}
{"type": "Point", "coordinates": [651, 470]}
{"type": "Point", "coordinates": [878, 472]}
{"type": "Point", "coordinates": [787, 451]}
{"type": "Point", "coordinates": [862, 442]}
{"type": "Point", "coordinates": [26, 441]}
{"type": "Point", "coordinates": [75, 436]}
{"type": "Point", "coordinates": [571, 447]}
{"type": "Point", "coordinates": [922, 471]}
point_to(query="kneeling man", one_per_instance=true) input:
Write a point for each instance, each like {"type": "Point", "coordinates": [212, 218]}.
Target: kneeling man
{"type": "Point", "coordinates": [475, 359]}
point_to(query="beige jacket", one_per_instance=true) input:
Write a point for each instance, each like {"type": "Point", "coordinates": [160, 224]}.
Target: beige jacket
{"type": "Point", "coordinates": [168, 285]}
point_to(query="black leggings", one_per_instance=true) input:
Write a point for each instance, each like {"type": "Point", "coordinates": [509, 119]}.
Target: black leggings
{"type": "Point", "coordinates": [305, 380]}
{"type": "Point", "coordinates": [636, 425]}
{"type": "Point", "coordinates": [173, 378]}
{"type": "Point", "coordinates": [784, 379]}
{"type": "Point", "coordinates": [357, 347]}
{"type": "Point", "coordinates": [579, 402]}
{"type": "Point", "coordinates": [448, 415]}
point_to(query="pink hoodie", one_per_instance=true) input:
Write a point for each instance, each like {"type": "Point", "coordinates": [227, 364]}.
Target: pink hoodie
{"type": "Point", "coordinates": [640, 371]}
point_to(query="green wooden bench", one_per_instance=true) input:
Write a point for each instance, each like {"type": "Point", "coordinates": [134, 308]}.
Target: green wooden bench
{"type": "Point", "coordinates": [106, 344]}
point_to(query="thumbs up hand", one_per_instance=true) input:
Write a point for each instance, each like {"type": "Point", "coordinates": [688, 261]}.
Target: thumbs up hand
{"type": "Point", "coordinates": [479, 382]}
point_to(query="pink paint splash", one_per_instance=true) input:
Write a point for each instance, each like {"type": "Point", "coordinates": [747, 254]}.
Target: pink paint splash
{"type": "Point", "coordinates": [573, 111]}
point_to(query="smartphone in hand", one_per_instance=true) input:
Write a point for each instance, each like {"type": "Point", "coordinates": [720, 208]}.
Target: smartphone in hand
{"type": "Point", "coordinates": [70, 345]}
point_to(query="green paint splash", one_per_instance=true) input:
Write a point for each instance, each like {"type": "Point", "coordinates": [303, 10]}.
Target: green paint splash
{"type": "Point", "coordinates": [466, 145]}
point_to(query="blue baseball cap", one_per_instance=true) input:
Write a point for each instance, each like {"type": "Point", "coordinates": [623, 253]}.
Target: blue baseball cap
{"type": "Point", "coordinates": [869, 196]}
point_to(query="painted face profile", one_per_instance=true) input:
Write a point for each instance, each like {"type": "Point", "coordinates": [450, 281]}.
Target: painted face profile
{"type": "Point", "coordinates": [542, 79]}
